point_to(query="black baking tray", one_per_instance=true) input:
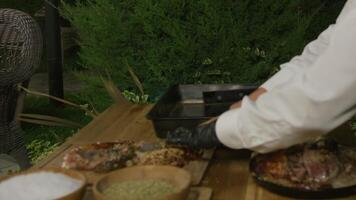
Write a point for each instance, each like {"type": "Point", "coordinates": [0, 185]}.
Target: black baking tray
{"type": "Point", "coordinates": [300, 193]}
{"type": "Point", "coordinates": [189, 105]}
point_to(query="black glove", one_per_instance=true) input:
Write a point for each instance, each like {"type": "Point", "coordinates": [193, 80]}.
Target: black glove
{"type": "Point", "coordinates": [203, 136]}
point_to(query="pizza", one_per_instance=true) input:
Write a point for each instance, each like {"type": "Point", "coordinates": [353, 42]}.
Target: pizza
{"type": "Point", "coordinates": [173, 156]}
{"type": "Point", "coordinates": [309, 166]}
{"type": "Point", "coordinates": [100, 157]}
{"type": "Point", "coordinates": [104, 157]}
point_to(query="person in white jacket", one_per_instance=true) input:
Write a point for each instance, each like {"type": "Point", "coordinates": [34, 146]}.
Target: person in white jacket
{"type": "Point", "coordinates": [310, 96]}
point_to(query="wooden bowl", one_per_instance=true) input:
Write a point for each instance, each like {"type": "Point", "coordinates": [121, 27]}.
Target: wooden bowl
{"type": "Point", "coordinates": [75, 195]}
{"type": "Point", "coordinates": [178, 177]}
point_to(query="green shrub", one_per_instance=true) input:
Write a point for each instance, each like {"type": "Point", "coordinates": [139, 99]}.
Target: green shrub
{"type": "Point", "coordinates": [200, 41]}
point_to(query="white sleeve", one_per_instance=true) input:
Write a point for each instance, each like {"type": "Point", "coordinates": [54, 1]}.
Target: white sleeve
{"type": "Point", "coordinates": [319, 100]}
{"type": "Point", "coordinates": [298, 64]}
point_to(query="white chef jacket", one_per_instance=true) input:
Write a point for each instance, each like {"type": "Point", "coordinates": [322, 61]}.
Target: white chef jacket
{"type": "Point", "coordinates": [311, 95]}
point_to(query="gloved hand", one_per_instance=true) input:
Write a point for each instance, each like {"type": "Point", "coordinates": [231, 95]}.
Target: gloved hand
{"type": "Point", "coordinates": [203, 136]}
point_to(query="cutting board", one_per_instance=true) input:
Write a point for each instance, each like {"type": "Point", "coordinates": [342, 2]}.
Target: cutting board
{"type": "Point", "coordinates": [195, 193]}
{"type": "Point", "coordinates": [196, 168]}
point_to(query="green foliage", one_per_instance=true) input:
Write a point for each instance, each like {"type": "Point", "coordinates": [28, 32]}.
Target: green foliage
{"type": "Point", "coordinates": [201, 41]}
{"type": "Point", "coordinates": [40, 148]}
{"type": "Point", "coordinates": [42, 140]}
{"type": "Point", "coordinates": [138, 99]}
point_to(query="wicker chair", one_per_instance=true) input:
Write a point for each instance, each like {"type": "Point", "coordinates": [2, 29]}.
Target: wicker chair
{"type": "Point", "coordinates": [20, 52]}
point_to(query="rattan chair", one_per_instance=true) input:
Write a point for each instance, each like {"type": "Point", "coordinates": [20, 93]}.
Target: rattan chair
{"type": "Point", "coordinates": [20, 52]}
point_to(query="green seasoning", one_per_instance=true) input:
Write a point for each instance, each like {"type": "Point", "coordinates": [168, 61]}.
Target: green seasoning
{"type": "Point", "coordinates": [143, 189]}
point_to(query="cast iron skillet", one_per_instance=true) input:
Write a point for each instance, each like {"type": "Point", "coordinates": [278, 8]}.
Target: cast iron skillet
{"type": "Point", "coordinates": [300, 193]}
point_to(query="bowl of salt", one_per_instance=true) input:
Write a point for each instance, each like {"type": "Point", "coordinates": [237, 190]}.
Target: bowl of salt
{"type": "Point", "coordinates": [43, 184]}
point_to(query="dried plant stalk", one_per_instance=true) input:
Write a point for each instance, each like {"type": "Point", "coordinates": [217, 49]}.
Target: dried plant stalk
{"type": "Point", "coordinates": [135, 79]}
{"type": "Point", "coordinates": [46, 120]}
{"type": "Point", "coordinates": [87, 111]}
{"type": "Point", "coordinates": [114, 92]}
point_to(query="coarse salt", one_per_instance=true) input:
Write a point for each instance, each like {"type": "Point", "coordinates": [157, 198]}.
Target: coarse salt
{"type": "Point", "coordinates": [38, 186]}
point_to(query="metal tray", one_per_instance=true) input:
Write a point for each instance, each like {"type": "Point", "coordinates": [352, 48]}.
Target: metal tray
{"type": "Point", "coordinates": [189, 105]}
{"type": "Point", "coordinates": [300, 193]}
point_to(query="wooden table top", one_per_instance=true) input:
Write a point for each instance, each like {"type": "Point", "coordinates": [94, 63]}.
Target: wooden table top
{"type": "Point", "coordinates": [227, 174]}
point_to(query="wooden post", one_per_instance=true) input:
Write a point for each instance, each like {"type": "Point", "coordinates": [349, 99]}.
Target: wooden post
{"type": "Point", "coordinates": [53, 49]}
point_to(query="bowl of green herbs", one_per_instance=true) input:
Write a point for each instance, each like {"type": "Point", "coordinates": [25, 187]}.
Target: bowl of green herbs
{"type": "Point", "coordinates": [144, 183]}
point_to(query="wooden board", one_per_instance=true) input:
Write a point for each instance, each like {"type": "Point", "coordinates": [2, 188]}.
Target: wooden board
{"type": "Point", "coordinates": [115, 115]}
{"type": "Point", "coordinates": [57, 153]}
{"type": "Point", "coordinates": [227, 174]}
{"type": "Point", "coordinates": [200, 193]}
{"type": "Point", "coordinates": [196, 193]}
{"type": "Point", "coordinates": [197, 168]}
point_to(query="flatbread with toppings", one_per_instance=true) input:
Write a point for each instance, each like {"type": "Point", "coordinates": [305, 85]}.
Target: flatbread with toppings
{"type": "Point", "coordinates": [104, 157]}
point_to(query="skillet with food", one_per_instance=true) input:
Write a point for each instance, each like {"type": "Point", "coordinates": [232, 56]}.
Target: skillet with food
{"type": "Point", "coordinates": [321, 169]}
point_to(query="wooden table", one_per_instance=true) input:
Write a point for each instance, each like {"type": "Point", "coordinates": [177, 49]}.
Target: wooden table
{"type": "Point", "coordinates": [227, 175]}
